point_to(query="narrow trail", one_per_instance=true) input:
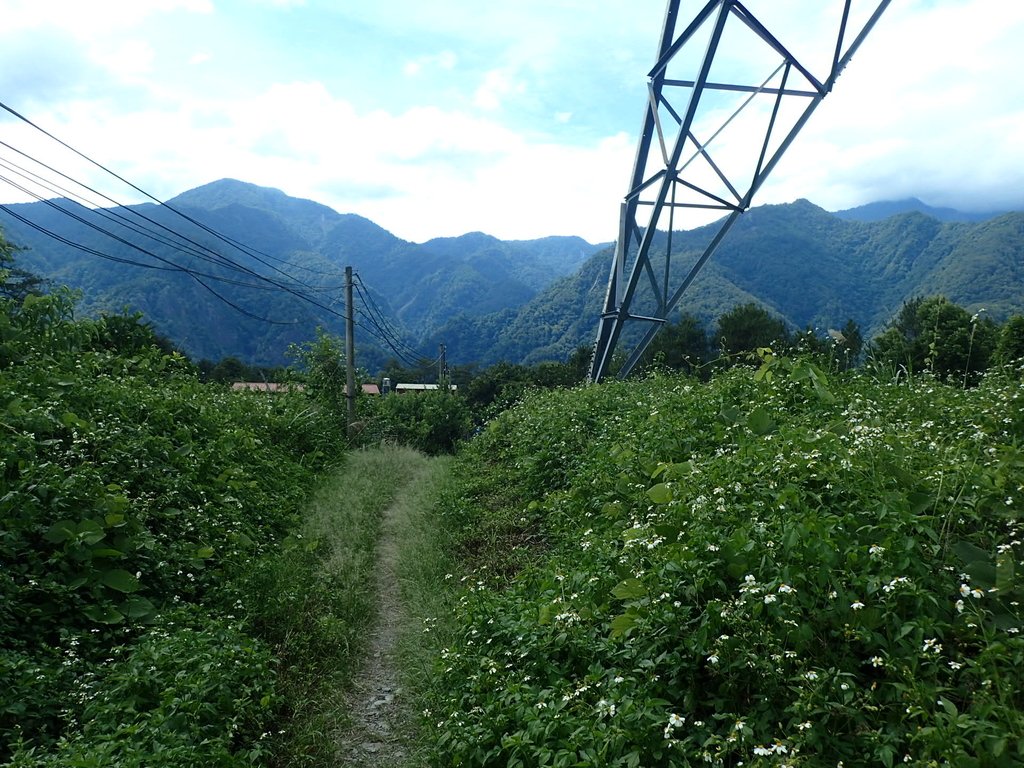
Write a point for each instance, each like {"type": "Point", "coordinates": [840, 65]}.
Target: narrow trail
{"type": "Point", "coordinates": [378, 732]}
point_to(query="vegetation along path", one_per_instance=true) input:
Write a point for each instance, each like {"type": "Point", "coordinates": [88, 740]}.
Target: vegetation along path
{"type": "Point", "coordinates": [376, 724]}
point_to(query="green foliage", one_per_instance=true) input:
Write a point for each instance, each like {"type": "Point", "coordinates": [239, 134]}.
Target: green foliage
{"type": "Point", "coordinates": [186, 692]}
{"type": "Point", "coordinates": [132, 497]}
{"type": "Point", "coordinates": [1010, 345]}
{"type": "Point", "coordinates": [322, 365]}
{"type": "Point", "coordinates": [838, 349]}
{"type": "Point", "coordinates": [748, 327]}
{"type": "Point", "coordinates": [434, 422]}
{"type": "Point", "coordinates": [231, 369]}
{"type": "Point", "coordinates": [16, 283]}
{"type": "Point", "coordinates": [937, 336]}
{"type": "Point", "coordinates": [779, 567]}
{"type": "Point", "coordinates": [680, 346]}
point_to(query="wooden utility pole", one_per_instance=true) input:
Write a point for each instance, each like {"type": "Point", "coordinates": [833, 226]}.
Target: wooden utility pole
{"type": "Point", "coordinates": [442, 370]}
{"type": "Point", "coordinates": [350, 352]}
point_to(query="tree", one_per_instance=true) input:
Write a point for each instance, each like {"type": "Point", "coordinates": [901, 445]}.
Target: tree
{"type": "Point", "coordinates": [936, 335]}
{"type": "Point", "coordinates": [681, 346]}
{"type": "Point", "coordinates": [747, 327]}
{"type": "Point", "coordinates": [129, 334]}
{"type": "Point", "coordinates": [838, 349]}
{"type": "Point", "coordinates": [1010, 345]}
{"type": "Point", "coordinates": [323, 368]}
{"type": "Point", "coordinates": [16, 283]}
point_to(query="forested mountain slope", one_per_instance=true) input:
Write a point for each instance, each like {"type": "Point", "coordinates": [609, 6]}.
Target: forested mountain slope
{"type": "Point", "coordinates": [487, 299]}
{"type": "Point", "coordinates": [806, 265]}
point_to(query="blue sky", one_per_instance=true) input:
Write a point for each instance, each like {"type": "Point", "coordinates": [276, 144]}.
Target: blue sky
{"type": "Point", "coordinates": [517, 118]}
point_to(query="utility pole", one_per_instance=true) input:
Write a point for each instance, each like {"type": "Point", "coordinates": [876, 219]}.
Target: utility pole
{"type": "Point", "coordinates": [350, 352]}
{"type": "Point", "coordinates": [442, 370]}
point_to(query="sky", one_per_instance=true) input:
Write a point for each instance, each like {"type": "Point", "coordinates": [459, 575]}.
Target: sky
{"type": "Point", "coordinates": [520, 118]}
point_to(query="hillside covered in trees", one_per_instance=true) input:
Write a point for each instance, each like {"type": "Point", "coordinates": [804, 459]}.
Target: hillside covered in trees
{"type": "Point", "coordinates": [485, 299]}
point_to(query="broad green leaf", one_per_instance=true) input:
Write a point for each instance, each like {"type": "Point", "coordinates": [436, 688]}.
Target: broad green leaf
{"type": "Point", "coordinates": [545, 614]}
{"type": "Point", "coordinates": [612, 509]}
{"type": "Point", "coordinates": [621, 624]}
{"type": "Point", "coordinates": [760, 422]}
{"type": "Point", "coordinates": [629, 589]}
{"type": "Point", "coordinates": [969, 553]}
{"type": "Point", "coordinates": [949, 706]}
{"type": "Point", "coordinates": [137, 607]}
{"type": "Point", "coordinates": [116, 504]}
{"type": "Point", "coordinates": [678, 470]}
{"type": "Point", "coordinates": [997, 745]}
{"type": "Point", "coordinates": [103, 614]}
{"type": "Point", "coordinates": [983, 574]}
{"type": "Point", "coordinates": [106, 552]}
{"type": "Point", "coordinates": [660, 493]}
{"type": "Point", "coordinates": [90, 532]}
{"type": "Point", "coordinates": [71, 420]}
{"type": "Point", "coordinates": [60, 532]}
{"type": "Point", "coordinates": [730, 414]}
{"type": "Point", "coordinates": [1005, 572]}
{"type": "Point", "coordinates": [764, 372]}
{"type": "Point", "coordinates": [919, 502]}
{"type": "Point", "coordinates": [204, 552]}
{"type": "Point", "coordinates": [119, 579]}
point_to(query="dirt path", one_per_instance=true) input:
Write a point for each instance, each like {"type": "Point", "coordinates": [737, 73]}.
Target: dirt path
{"type": "Point", "coordinates": [376, 738]}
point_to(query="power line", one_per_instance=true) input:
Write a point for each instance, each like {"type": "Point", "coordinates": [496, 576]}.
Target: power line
{"type": "Point", "coordinates": [109, 215]}
{"type": "Point", "coordinates": [171, 265]}
{"type": "Point", "coordinates": [379, 319]}
{"type": "Point", "coordinates": [103, 255]}
{"type": "Point", "coordinates": [217, 257]}
{"type": "Point", "coordinates": [381, 335]}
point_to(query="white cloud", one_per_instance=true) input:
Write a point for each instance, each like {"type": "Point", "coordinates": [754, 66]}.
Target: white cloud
{"type": "Point", "coordinates": [90, 20]}
{"type": "Point", "coordinates": [445, 61]}
{"type": "Point", "coordinates": [497, 86]}
{"type": "Point", "coordinates": [129, 59]}
{"type": "Point", "coordinates": [425, 172]}
{"type": "Point", "coordinates": [929, 107]}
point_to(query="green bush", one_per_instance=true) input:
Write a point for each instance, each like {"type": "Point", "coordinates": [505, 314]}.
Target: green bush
{"type": "Point", "coordinates": [190, 691]}
{"type": "Point", "coordinates": [130, 493]}
{"type": "Point", "coordinates": [772, 569]}
{"type": "Point", "coordinates": [434, 422]}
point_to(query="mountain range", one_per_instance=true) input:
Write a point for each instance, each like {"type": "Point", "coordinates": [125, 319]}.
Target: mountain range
{"type": "Point", "coordinates": [233, 269]}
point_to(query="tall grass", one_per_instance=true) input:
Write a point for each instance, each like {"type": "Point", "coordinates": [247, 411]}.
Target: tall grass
{"type": "Point", "coordinates": [318, 600]}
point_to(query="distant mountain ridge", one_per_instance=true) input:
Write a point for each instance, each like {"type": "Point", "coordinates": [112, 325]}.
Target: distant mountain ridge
{"type": "Point", "coordinates": [809, 267]}
{"type": "Point", "coordinates": [408, 289]}
{"type": "Point", "coordinates": [487, 299]}
{"type": "Point", "coordinates": [885, 209]}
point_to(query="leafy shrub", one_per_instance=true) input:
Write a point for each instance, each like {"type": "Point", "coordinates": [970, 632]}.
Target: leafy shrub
{"type": "Point", "coordinates": [130, 492]}
{"type": "Point", "coordinates": [767, 570]}
{"type": "Point", "coordinates": [1010, 345]}
{"type": "Point", "coordinates": [181, 694]}
{"type": "Point", "coordinates": [936, 335]}
{"type": "Point", "coordinates": [434, 422]}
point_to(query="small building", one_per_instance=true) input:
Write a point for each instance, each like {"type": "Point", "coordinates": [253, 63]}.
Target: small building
{"type": "Point", "coordinates": [401, 389]}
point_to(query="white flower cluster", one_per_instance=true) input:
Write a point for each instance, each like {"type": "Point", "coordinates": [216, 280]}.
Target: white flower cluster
{"type": "Point", "coordinates": [674, 722]}
{"type": "Point", "coordinates": [899, 581]}
{"type": "Point", "coordinates": [778, 748]}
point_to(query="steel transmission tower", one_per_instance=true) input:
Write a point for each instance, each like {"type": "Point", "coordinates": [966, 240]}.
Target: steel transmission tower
{"type": "Point", "coordinates": [711, 135]}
